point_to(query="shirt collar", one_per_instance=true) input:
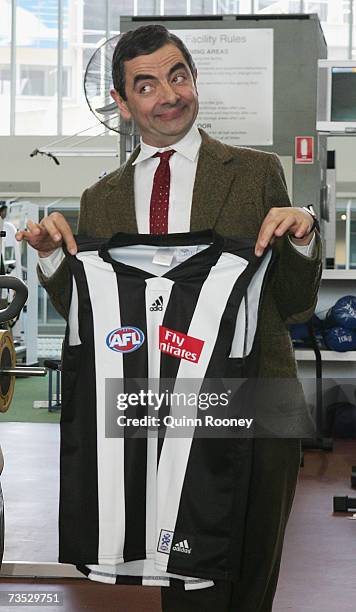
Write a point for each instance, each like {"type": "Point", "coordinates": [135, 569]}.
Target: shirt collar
{"type": "Point", "coordinates": [188, 146]}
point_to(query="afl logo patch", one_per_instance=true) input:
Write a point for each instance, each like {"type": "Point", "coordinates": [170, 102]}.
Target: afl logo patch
{"type": "Point", "coordinates": [125, 339]}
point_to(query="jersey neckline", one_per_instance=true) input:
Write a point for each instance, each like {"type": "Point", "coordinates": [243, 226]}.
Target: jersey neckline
{"type": "Point", "coordinates": [199, 261]}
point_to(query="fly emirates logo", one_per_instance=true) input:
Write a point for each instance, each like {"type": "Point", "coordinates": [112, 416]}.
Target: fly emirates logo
{"type": "Point", "coordinates": [179, 345]}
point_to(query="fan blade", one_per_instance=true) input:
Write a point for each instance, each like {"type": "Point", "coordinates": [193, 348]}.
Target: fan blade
{"type": "Point", "coordinates": [108, 109]}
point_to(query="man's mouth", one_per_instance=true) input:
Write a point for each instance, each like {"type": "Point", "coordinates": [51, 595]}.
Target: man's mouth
{"type": "Point", "coordinates": [172, 113]}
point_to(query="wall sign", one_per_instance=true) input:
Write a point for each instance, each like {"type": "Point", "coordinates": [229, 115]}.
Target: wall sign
{"type": "Point", "coordinates": [235, 83]}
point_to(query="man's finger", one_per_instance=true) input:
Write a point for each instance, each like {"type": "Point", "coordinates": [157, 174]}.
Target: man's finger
{"type": "Point", "coordinates": [303, 229]}
{"type": "Point", "coordinates": [26, 234]}
{"type": "Point", "coordinates": [59, 229]}
{"type": "Point", "coordinates": [33, 227]}
{"type": "Point", "coordinates": [67, 236]}
{"type": "Point", "coordinates": [52, 229]}
{"type": "Point", "coordinates": [285, 226]}
{"type": "Point", "coordinates": [274, 225]}
{"type": "Point", "coordinates": [265, 235]}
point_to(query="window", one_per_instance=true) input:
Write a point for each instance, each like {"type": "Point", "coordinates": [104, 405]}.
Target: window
{"type": "Point", "coordinates": [94, 15]}
{"type": "Point", "coordinates": [317, 7]}
{"type": "Point", "coordinates": [175, 7]}
{"type": "Point", "coordinates": [118, 8]}
{"type": "Point", "coordinates": [37, 57]}
{"type": "Point", "coordinates": [201, 7]}
{"type": "Point", "coordinates": [228, 6]}
{"type": "Point", "coordinates": [148, 7]}
{"type": "Point", "coordinates": [41, 81]}
{"type": "Point", "coordinates": [85, 26]}
{"type": "Point", "coordinates": [272, 6]}
{"type": "Point", "coordinates": [5, 80]}
{"type": "Point", "coordinates": [5, 68]}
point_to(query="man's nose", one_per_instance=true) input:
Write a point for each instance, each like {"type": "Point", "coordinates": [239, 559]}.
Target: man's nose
{"type": "Point", "coordinates": [168, 94]}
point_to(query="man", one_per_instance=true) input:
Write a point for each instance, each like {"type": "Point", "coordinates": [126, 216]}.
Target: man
{"type": "Point", "coordinates": [3, 209]}
{"type": "Point", "coordinates": [238, 192]}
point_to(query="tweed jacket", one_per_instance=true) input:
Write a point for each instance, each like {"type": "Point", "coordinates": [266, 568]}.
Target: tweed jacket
{"type": "Point", "coordinates": [234, 189]}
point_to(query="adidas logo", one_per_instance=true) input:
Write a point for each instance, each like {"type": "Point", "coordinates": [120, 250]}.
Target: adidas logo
{"type": "Point", "coordinates": [182, 547]}
{"type": "Point", "coordinates": [157, 304]}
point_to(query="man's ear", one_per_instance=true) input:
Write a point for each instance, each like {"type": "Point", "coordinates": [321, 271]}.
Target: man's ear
{"type": "Point", "coordinates": [121, 104]}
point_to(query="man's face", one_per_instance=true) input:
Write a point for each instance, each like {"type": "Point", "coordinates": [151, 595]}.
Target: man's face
{"type": "Point", "coordinates": [161, 96]}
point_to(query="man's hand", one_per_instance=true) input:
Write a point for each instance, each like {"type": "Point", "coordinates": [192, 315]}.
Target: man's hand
{"type": "Point", "coordinates": [48, 235]}
{"type": "Point", "coordinates": [287, 220]}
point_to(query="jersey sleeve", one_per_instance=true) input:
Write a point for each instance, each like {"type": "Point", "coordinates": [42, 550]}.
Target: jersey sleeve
{"type": "Point", "coordinates": [247, 319]}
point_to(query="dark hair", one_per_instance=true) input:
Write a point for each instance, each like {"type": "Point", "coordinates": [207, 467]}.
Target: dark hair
{"type": "Point", "coordinates": [143, 41]}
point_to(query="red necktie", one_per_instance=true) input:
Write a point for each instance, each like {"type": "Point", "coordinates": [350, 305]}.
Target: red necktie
{"type": "Point", "coordinates": [160, 194]}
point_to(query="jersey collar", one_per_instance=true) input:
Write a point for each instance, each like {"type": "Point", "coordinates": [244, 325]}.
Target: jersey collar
{"type": "Point", "coordinates": [200, 260]}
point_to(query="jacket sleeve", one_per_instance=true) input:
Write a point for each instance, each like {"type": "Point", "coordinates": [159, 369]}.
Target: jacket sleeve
{"type": "Point", "coordinates": [58, 286]}
{"type": "Point", "coordinates": [296, 277]}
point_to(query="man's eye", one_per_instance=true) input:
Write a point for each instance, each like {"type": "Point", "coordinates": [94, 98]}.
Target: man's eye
{"type": "Point", "coordinates": [145, 88]}
{"type": "Point", "coordinates": [179, 78]}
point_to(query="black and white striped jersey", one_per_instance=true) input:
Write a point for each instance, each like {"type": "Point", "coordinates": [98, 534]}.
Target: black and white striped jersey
{"type": "Point", "coordinates": [177, 307]}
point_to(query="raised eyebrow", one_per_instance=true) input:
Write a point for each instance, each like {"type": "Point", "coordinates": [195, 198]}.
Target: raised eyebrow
{"type": "Point", "coordinates": [143, 77]}
{"type": "Point", "coordinates": [150, 77]}
{"type": "Point", "coordinates": [178, 66]}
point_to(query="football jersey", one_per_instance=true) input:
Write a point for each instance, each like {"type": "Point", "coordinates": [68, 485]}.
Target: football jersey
{"type": "Point", "coordinates": [179, 307]}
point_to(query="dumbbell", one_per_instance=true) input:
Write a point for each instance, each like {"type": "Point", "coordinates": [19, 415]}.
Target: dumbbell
{"type": "Point", "coordinates": [344, 504]}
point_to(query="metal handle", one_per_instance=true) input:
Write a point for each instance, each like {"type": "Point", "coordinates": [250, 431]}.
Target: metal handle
{"type": "Point", "coordinates": [14, 308]}
{"type": "Point", "coordinates": [30, 371]}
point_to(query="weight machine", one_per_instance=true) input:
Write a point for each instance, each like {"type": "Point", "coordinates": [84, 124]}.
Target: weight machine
{"type": "Point", "coordinates": [8, 368]}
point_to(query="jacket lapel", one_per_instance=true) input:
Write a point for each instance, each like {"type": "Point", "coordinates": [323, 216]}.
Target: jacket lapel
{"type": "Point", "coordinates": [121, 193]}
{"type": "Point", "coordinates": [212, 183]}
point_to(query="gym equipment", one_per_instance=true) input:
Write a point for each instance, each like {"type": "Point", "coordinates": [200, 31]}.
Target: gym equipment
{"type": "Point", "coordinates": [320, 442]}
{"type": "Point", "coordinates": [97, 85]}
{"type": "Point", "coordinates": [53, 365]}
{"type": "Point", "coordinates": [7, 360]}
{"type": "Point", "coordinates": [343, 313]}
{"type": "Point", "coordinates": [344, 503]}
{"type": "Point", "coordinates": [341, 418]}
{"type": "Point", "coordinates": [2, 527]}
{"type": "Point", "coordinates": [353, 476]}
{"type": "Point", "coordinates": [20, 297]}
{"type": "Point", "coordinates": [300, 332]}
{"type": "Point", "coordinates": [340, 339]}
{"type": "Point", "coordinates": [8, 368]}
{"type": "Point", "coordinates": [25, 330]}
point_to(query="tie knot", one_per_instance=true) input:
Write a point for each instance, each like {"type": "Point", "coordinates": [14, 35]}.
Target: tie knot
{"type": "Point", "coordinates": [165, 155]}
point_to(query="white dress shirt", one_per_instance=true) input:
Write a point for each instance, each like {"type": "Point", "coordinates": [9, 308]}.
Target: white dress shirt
{"type": "Point", "coordinates": [183, 165]}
